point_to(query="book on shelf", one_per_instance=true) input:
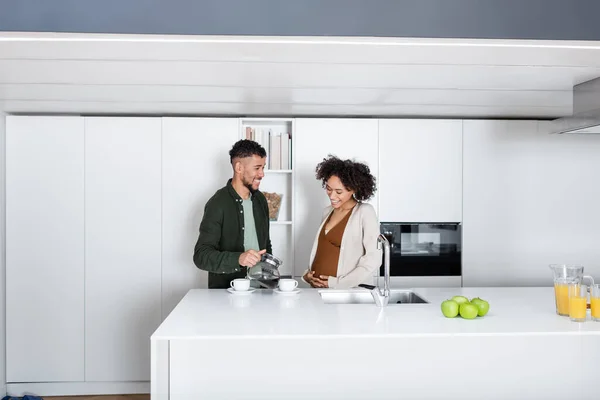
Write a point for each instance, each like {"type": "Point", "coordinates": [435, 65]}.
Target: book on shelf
{"type": "Point", "coordinates": [277, 143]}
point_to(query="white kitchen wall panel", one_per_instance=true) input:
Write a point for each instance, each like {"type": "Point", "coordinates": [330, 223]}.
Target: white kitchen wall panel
{"type": "Point", "coordinates": [3, 251]}
{"type": "Point", "coordinates": [420, 165]}
{"type": "Point", "coordinates": [44, 249]}
{"type": "Point", "coordinates": [530, 199]}
{"type": "Point", "coordinates": [314, 140]}
{"type": "Point", "coordinates": [195, 165]}
{"type": "Point", "coordinates": [122, 246]}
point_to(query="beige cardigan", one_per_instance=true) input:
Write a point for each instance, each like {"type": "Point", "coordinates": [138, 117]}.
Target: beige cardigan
{"type": "Point", "coordinates": [359, 256]}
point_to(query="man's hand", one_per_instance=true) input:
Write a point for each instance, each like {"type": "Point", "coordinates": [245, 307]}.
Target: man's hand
{"type": "Point", "coordinates": [314, 281]}
{"type": "Point", "coordinates": [251, 257]}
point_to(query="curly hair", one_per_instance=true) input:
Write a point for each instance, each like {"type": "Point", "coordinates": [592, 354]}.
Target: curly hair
{"type": "Point", "coordinates": [354, 175]}
{"type": "Point", "coordinates": [246, 148]}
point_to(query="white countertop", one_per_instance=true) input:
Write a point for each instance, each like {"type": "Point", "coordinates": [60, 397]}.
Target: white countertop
{"type": "Point", "coordinates": [205, 314]}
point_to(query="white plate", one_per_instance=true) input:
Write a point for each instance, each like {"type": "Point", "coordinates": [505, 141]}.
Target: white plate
{"type": "Point", "coordinates": [295, 291]}
{"type": "Point", "coordinates": [232, 291]}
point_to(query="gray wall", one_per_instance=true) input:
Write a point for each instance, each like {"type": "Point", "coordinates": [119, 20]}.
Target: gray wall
{"type": "Point", "coordinates": [500, 19]}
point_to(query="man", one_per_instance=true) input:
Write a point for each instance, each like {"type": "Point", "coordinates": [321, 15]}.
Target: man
{"type": "Point", "coordinates": [234, 232]}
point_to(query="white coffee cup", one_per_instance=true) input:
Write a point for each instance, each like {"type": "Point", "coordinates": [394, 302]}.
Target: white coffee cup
{"type": "Point", "coordinates": [287, 285]}
{"type": "Point", "coordinates": [240, 284]}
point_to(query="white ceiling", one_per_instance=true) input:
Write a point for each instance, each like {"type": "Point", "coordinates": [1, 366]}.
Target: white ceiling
{"type": "Point", "coordinates": [133, 74]}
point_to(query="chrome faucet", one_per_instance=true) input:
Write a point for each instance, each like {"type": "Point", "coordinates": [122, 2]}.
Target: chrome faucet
{"type": "Point", "coordinates": [382, 299]}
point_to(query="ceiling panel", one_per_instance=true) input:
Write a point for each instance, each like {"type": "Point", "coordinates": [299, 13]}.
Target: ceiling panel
{"type": "Point", "coordinates": [271, 109]}
{"type": "Point", "coordinates": [246, 74]}
{"type": "Point", "coordinates": [65, 73]}
{"type": "Point", "coordinates": [325, 50]}
{"type": "Point", "coordinates": [168, 93]}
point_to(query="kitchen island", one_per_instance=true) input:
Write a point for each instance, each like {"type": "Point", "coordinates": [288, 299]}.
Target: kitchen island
{"type": "Point", "coordinates": [265, 345]}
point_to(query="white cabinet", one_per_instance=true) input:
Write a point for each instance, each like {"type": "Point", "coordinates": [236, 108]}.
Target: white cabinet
{"type": "Point", "coordinates": [420, 170]}
{"type": "Point", "coordinates": [195, 165]}
{"type": "Point", "coordinates": [314, 139]}
{"type": "Point", "coordinates": [44, 249]}
{"type": "Point", "coordinates": [122, 246]}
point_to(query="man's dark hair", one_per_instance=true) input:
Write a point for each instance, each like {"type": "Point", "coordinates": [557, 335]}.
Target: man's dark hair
{"type": "Point", "coordinates": [246, 148]}
{"type": "Point", "coordinates": [355, 176]}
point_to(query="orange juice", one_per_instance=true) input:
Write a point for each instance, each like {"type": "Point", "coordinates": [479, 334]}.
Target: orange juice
{"type": "Point", "coordinates": [577, 307]}
{"type": "Point", "coordinates": [561, 292]}
{"type": "Point", "coordinates": [595, 302]}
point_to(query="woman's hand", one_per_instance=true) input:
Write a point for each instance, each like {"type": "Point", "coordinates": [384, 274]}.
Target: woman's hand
{"type": "Point", "coordinates": [314, 281]}
{"type": "Point", "coordinates": [325, 280]}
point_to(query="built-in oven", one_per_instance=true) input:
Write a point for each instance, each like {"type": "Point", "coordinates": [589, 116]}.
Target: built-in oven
{"type": "Point", "coordinates": [426, 249]}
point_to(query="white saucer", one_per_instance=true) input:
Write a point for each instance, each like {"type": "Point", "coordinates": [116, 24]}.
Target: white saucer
{"type": "Point", "coordinates": [295, 291]}
{"type": "Point", "coordinates": [233, 291]}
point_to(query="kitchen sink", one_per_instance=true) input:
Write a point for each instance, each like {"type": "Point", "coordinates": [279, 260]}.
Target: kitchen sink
{"type": "Point", "coordinates": [365, 297]}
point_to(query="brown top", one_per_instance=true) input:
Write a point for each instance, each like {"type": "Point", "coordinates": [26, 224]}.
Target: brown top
{"type": "Point", "coordinates": [328, 248]}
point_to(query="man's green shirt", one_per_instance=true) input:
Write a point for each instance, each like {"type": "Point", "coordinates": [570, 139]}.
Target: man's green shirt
{"type": "Point", "coordinates": [221, 239]}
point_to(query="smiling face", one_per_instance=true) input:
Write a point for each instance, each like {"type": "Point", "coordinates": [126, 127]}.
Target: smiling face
{"type": "Point", "coordinates": [251, 170]}
{"type": "Point", "coordinates": [337, 193]}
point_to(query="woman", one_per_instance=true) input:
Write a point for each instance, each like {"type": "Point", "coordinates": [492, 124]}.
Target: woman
{"type": "Point", "coordinates": [344, 253]}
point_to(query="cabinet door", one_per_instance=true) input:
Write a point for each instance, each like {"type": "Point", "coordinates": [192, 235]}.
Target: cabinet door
{"type": "Point", "coordinates": [44, 249]}
{"type": "Point", "coordinates": [314, 140]}
{"type": "Point", "coordinates": [420, 170]}
{"type": "Point", "coordinates": [195, 165]}
{"type": "Point", "coordinates": [123, 246]}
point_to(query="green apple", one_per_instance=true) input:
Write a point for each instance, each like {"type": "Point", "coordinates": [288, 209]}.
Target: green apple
{"type": "Point", "coordinates": [482, 306]}
{"type": "Point", "coordinates": [468, 310]}
{"type": "Point", "coordinates": [450, 308]}
{"type": "Point", "coordinates": [460, 299]}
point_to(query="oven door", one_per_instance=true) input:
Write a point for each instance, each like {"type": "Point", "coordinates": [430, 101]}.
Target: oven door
{"type": "Point", "coordinates": [423, 249]}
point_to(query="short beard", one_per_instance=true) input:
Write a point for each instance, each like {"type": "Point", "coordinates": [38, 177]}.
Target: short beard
{"type": "Point", "coordinates": [249, 186]}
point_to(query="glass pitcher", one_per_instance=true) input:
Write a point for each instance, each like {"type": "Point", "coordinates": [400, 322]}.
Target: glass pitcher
{"type": "Point", "coordinates": [266, 271]}
{"type": "Point", "coordinates": [565, 275]}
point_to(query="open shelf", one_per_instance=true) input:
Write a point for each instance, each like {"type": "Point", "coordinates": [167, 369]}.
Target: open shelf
{"type": "Point", "coordinates": [276, 136]}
